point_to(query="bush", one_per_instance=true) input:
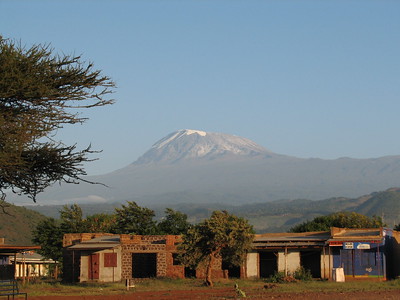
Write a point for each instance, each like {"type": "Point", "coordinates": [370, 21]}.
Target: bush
{"type": "Point", "coordinates": [278, 277]}
{"type": "Point", "coordinates": [302, 274]}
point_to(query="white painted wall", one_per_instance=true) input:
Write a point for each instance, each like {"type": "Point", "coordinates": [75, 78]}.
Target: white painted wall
{"type": "Point", "coordinates": [252, 265]}
{"type": "Point", "coordinates": [289, 262]}
{"type": "Point", "coordinates": [106, 274]}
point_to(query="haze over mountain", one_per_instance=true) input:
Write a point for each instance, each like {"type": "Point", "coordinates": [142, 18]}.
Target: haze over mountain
{"type": "Point", "coordinates": [192, 166]}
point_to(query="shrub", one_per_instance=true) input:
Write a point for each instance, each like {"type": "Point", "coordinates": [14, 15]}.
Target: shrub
{"type": "Point", "coordinates": [276, 278]}
{"type": "Point", "coordinates": [302, 274]}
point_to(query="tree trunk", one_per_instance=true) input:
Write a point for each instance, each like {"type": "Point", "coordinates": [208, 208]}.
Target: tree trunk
{"type": "Point", "coordinates": [208, 280]}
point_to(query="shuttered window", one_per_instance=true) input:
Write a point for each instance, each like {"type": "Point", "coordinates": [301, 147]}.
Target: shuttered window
{"type": "Point", "coordinates": [110, 259]}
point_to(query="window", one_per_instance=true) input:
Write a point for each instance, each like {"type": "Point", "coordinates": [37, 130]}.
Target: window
{"type": "Point", "coordinates": [175, 259]}
{"type": "Point", "coordinates": [110, 259]}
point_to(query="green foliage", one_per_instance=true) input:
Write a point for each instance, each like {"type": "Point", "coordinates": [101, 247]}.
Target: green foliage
{"type": "Point", "coordinates": [99, 223]}
{"type": "Point", "coordinates": [277, 277]}
{"type": "Point", "coordinates": [340, 219]}
{"type": "Point", "coordinates": [39, 94]}
{"type": "Point", "coordinates": [49, 235]}
{"type": "Point", "coordinates": [16, 224]}
{"type": "Point", "coordinates": [174, 223]}
{"type": "Point", "coordinates": [71, 219]}
{"type": "Point", "coordinates": [222, 235]}
{"type": "Point", "coordinates": [134, 219]}
{"type": "Point", "coordinates": [302, 274]}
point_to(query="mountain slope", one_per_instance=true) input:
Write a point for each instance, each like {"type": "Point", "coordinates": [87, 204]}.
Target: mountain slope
{"type": "Point", "coordinates": [190, 144]}
{"type": "Point", "coordinates": [201, 167]}
{"type": "Point", "coordinates": [383, 204]}
{"type": "Point", "coordinates": [17, 223]}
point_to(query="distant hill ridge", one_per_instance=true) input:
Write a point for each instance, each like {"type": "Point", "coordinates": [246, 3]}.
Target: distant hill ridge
{"type": "Point", "coordinates": [275, 216]}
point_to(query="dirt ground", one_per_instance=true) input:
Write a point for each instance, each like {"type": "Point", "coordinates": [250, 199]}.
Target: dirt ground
{"type": "Point", "coordinates": [229, 293]}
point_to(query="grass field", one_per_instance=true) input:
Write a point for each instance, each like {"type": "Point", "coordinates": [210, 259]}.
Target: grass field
{"type": "Point", "coordinates": [56, 288]}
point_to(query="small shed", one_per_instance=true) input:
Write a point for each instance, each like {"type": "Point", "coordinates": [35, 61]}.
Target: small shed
{"type": "Point", "coordinates": [286, 252]}
{"type": "Point", "coordinates": [362, 253]}
{"type": "Point", "coordinates": [8, 257]}
{"type": "Point", "coordinates": [30, 264]}
{"type": "Point", "coordinates": [95, 258]}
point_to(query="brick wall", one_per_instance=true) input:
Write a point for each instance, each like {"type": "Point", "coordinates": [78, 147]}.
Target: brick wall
{"type": "Point", "coordinates": [163, 245]}
{"type": "Point", "coordinates": [145, 247]}
{"type": "Point", "coordinates": [70, 239]}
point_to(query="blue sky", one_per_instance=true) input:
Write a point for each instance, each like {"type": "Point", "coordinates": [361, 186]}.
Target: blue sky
{"type": "Point", "coordinates": [301, 78]}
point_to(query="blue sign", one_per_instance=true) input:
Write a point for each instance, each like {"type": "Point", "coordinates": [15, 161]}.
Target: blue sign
{"type": "Point", "coordinates": [356, 245]}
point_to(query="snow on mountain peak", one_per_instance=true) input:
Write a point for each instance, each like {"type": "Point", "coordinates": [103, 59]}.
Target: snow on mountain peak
{"type": "Point", "coordinates": [195, 144]}
{"type": "Point", "coordinates": [176, 135]}
{"type": "Point", "coordinates": [199, 132]}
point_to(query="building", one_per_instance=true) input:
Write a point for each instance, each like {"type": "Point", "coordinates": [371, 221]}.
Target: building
{"type": "Point", "coordinates": [8, 258]}
{"type": "Point", "coordinates": [109, 258]}
{"type": "Point", "coordinates": [372, 253]}
{"type": "Point", "coordinates": [362, 253]}
{"type": "Point", "coordinates": [30, 264]}
{"type": "Point", "coordinates": [286, 252]}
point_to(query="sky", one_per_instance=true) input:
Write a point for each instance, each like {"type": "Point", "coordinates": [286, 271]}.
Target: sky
{"type": "Point", "coordinates": [301, 78]}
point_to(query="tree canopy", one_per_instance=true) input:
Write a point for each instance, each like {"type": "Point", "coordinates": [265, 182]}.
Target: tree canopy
{"type": "Point", "coordinates": [72, 219]}
{"type": "Point", "coordinates": [174, 223]}
{"type": "Point", "coordinates": [339, 219]}
{"type": "Point", "coordinates": [221, 236]}
{"type": "Point", "coordinates": [40, 93]}
{"type": "Point", "coordinates": [49, 235]}
{"type": "Point", "coordinates": [134, 219]}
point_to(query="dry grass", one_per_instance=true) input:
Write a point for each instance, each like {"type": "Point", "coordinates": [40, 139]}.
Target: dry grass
{"type": "Point", "coordinates": [56, 288]}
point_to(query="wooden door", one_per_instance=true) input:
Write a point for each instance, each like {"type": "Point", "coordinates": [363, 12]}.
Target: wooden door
{"type": "Point", "coordinates": [94, 266]}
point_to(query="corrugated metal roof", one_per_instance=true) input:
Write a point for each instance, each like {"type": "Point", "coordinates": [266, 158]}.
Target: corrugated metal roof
{"type": "Point", "coordinates": [99, 246]}
{"type": "Point", "coordinates": [359, 233]}
{"type": "Point", "coordinates": [103, 239]}
{"type": "Point", "coordinates": [102, 242]}
{"type": "Point", "coordinates": [295, 237]}
{"type": "Point", "coordinates": [16, 249]}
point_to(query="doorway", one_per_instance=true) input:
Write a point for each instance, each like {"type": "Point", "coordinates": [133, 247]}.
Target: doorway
{"type": "Point", "coordinates": [268, 264]}
{"type": "Point", "coordinates": [144, 265]}
{"type": "Point", "coordinates": [311, 260]}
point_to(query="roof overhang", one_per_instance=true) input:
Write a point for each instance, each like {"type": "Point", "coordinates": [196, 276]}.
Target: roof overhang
{"type": "Point", "coordinates": [92, 247]}
{"type": "Point", "coordinates": [277, 245]}
{"type": "Point", "coordinates": [11, 249]}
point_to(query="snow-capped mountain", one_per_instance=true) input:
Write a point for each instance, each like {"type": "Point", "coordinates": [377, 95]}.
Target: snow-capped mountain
{"type": "Point", "coordinates": [193, 166]}
{"type": "Point", "coordinates": [190, 144]}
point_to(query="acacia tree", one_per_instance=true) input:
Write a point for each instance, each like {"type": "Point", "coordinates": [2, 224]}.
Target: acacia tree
{"type": "Point", "coordinates": [339, 219]}
{"type": "Point", "coordinates": [40, 93]}
{"type": "Point", "coordinates": [221, 236]}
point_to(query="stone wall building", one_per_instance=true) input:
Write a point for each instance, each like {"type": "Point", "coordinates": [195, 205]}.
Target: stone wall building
{"type": "Point", "coordinates": [361, 253]}
{"type": "Point", "coordinates": [110, 258]}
